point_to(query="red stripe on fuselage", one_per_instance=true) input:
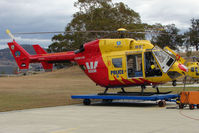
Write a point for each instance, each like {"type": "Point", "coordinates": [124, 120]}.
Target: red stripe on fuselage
{"type": "Point", "coordinates": [137, 81]}
{"type": "Point", "coordinates": [127, 82]}
{"type": "Point", "coordinates": [119, 82]}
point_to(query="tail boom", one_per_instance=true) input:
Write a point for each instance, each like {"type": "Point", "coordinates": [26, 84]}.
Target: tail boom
{"type": "Point", "coordinates": [53, 57]}
{"type": "Point", "coordinates": [23, 58]}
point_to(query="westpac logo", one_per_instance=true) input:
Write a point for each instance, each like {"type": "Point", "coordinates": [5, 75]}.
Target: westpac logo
{"type": "Point", "coordinates": [91, 66]}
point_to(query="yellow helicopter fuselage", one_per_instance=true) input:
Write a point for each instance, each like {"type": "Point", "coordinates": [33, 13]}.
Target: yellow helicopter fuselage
{"type": "Point", "coordinates": [130, 62]}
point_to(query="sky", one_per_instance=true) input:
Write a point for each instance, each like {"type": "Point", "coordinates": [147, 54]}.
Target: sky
{"type": "Point", "coordinates": [51, 15]}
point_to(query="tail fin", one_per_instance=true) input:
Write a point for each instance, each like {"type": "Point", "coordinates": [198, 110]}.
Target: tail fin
{"type": "Point", "coordinates": [19, 53]}
{"type": "Point", "coordinates": [47, 66]}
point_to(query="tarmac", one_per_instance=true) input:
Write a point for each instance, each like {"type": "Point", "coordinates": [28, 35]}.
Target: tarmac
{"type": "Point", "coordinates": [144, 117]}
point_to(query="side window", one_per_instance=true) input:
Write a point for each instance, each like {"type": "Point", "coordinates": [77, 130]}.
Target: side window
{"type": "Point", "coordinates": [117, 62]}
{"type": "Point", "coordinates": [192, 69]}
{"type": "Point", "coordinates": [196, 69]}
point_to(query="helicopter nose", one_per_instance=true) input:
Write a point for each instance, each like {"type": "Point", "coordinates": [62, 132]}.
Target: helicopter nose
{"type": "Point", "coordinates": [183, 67]}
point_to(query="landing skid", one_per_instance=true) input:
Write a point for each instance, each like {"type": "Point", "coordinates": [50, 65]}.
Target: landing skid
{"type": "Point", "coordinates": [142, 93]}
{"type": "Point", "coordinates": [135, 93]}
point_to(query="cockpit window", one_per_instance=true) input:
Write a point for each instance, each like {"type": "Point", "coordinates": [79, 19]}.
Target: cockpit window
{"type": "Point", "coordinates": [151, 67]}
{"type": "Point", "coordinates": [165, 60]}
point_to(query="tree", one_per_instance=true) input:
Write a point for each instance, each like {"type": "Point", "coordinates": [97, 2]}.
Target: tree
{"type": "Point", "coordinates": [192, 36]}
{"type": "Point", "coordinates": [167, 36]}
{"type": "Point", "coordinates": [96, 15]}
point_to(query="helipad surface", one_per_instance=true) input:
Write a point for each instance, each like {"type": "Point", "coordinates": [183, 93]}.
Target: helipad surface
{"type": "Point", "coordinates": [100, 118]}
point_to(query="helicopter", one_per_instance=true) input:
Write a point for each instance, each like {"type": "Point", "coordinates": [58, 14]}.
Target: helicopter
{"type": "Point", "coordinates": [193, 68]}
{"type": "Point", "coordinates": [111, 63]}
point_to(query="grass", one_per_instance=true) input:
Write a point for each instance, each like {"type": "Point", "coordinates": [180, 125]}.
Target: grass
{"type": "Point", "coordinates": [44, 90]}
{"type": "Point", "coordinates": [51, 89]}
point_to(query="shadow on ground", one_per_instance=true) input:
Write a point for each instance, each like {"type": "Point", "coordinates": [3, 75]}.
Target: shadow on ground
{"type": "Point", "coordinates": [125, 104]}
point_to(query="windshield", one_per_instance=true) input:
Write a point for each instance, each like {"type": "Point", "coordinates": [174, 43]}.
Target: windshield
{"type": "Point", "coordinates": [165, 60]}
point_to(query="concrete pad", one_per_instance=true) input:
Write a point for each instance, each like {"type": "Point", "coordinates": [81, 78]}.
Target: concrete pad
{"type": "Point", "coordinates": [101, 118]}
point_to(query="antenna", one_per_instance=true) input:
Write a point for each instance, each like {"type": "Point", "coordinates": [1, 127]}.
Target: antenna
{"type": "Point", "coordinates": [10, 34]}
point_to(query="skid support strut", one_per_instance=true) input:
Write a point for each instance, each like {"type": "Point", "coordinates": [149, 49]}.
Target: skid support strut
{"type": "Point", "coordinates": [142, 89]}
{"type": "Point", "coordinates": [105, 91]}
{"type": "Point", "coordinates": [158, 91]}
{"type": "Point", "coordinates": [123, 90]}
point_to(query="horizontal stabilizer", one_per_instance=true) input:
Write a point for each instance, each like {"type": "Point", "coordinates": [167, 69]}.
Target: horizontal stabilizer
{"type": "Point", "coordinates": [39, 50]}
